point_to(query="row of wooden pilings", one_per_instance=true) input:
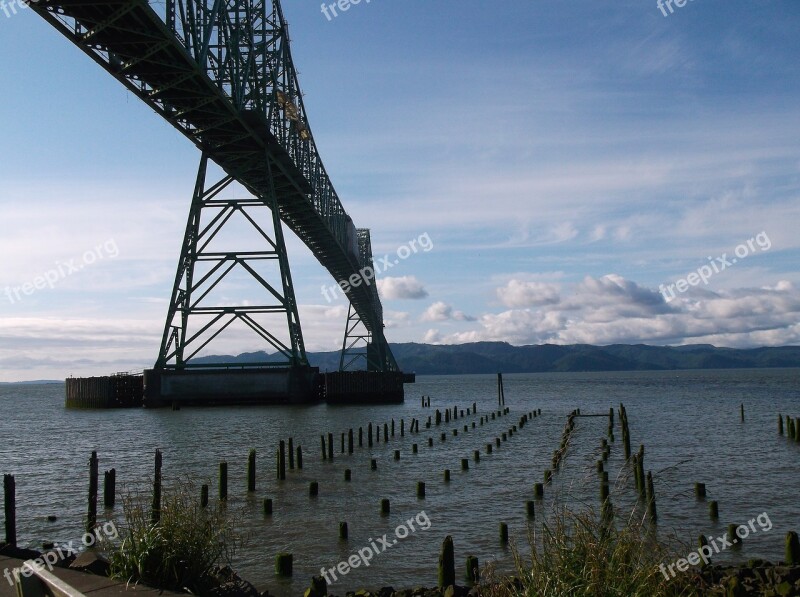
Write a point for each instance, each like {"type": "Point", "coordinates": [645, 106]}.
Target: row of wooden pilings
{"type": "Point", "coordinates": [294, 457]}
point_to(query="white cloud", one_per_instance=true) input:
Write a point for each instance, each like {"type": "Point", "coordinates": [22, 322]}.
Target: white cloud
{"type": "Point", "coordinates": [528, 294]}
{"type": "Point", "coordinates": [432, 337]}
{"type": "Point", "coordinates": [611, 310]}
{"type": "Point", "coordinates": [441, 311]}
{"type": "Point", "coordinates": [407, 287]}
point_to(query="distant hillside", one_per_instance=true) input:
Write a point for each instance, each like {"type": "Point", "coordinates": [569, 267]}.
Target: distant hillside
{"type": "Point", "coordinates": [491, 357]}
{"type": "Point", "coordinates": [31, 383]}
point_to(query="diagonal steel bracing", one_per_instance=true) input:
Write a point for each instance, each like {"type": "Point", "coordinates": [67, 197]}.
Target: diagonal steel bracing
{"type": "Point", "coordinates": [194, 320]}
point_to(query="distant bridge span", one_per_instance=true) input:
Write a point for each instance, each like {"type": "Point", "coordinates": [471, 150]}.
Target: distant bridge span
{"type": "Point", "coordinates": [221, 72]}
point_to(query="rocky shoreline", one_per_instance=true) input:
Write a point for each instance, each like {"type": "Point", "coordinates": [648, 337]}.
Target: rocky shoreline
{"type": "Point", "coordinates": [756, 578]}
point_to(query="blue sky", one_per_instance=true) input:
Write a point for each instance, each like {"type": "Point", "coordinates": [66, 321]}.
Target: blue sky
{"type": "Point", "coordinates": [564, 158]}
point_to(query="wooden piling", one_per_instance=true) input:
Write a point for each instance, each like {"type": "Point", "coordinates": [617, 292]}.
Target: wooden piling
{"type": "Point", "coordinates": [156, 510]}
{"type": "Point", "coordinates": [700, 490]}
{"type": "Point", "coordinates": [204, 496]}
{"type": "Point", "coordinates": [476, 455]}
{"type": "Point", "coordinates": [732, 536]}
{"type": "Point", "coordinates": [420, 490]}
{"type": "Point", "coordinates": [110, 488]}
{"type": "Point", "coordinates": [780, 425]}
{"type": "Point", "coordinates": [251, 471]}
{"type": "Point", "coordinates": [447, 564]}
{"type": "Point", "coordinates": [91, 520]}
{"type": "Point", "coordinates": [538, 490]}
{"type": "Point", "coordinates": [465, 464]}
{"type": "Point", "coordinates": [503, 533]}
{"type": "Point", "coordinates": [330, 446]}
{"type": "Point", "coordinates": [402, 427]}
{"type": "Point", "coordinates": [651, 498]}
{"type": "Point", "coordinates": [397, 454]}
{"type": "Point", "coordinates": [713, 509]}
{"type": "Point", "coordinates": [386, 507]}
{"type": "Point", "coordinates": [640, 475]}
{"type": "Point", "coordinates": [299, 457]}
{"type": "Point", "coordinates": [447, 475]}
{"type": "Point", "coordinates": [324, 447]}
{"type": "Point", "coordinates": [604, 489]}
{"type": "Point", "coordinates": [369, 435]}
{"type": "Point", "coordinates": [360, 437]}
{"type": "Point", "coordinates": [313, 489]}
{"type": "Point", "coordinates": [792, 553]}
{"type": "Point", "coordinates": [284, 564]}
{"type": "Point", "coordinates": [530, 508]}
{"type": "Point", "coordinates": [374, 464]}
{"type": "Point", "coordinates": [282, 461]}
{"type": "Point", "coordinates": [702, 541]}
{"type": "Point", "coordinates": [473, 573]}
{"type": "Point", "coordinates": [10, 508]}
{"type": "Point", "coordinates": [348, 475]}
{"type": "Point", "coordinates": [268, 506]}
{"type": "Point", "coordinates": [350, 442]}
{"type": "Point", "coordinates": [344, 531]}
{"type": "Point", "coordinates": [291, 454]}
{"type": "Point", "coordinates": [741, 412]}
{"type": "Point", "coordinates": [223, 481]}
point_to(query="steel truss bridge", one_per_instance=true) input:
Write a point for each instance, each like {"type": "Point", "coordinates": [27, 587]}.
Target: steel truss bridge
{"type": "Point", "coordinates": [221, 72]}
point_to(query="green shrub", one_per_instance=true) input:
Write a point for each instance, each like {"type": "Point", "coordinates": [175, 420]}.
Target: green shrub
{"type": "Point", "coordinates": [182, 551]}
{"type": "Point", "coordinates": [576, 555]}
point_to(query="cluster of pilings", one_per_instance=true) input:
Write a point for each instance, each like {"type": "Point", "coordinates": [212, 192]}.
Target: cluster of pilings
{"type": "Point", "coordinates": [792, 428]}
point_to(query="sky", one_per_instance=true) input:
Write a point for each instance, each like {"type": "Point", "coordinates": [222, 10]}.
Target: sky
{"type": "Point", "coordinates": [568, 171]}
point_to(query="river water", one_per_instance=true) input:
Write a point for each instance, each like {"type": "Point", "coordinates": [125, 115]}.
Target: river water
{"type": "Point", "coordinates": [689, 422]}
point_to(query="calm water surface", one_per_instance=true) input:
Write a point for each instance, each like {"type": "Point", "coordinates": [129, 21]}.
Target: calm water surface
{"type": "Point", "coordinates": [688, 422]}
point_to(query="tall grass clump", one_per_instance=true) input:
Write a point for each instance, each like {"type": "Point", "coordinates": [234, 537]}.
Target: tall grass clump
{"type": "Point", "coordinates": [575, 554]}
{"type": "Point", "coordinates": [180, 552]}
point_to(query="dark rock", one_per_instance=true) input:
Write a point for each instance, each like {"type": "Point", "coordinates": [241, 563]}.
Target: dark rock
{"type": "Point", "coordinates": [237, 588]}
{"type": "Point", "coordinates": [17, 552]}
{"type": "Point", "coordinates": [91, 562]}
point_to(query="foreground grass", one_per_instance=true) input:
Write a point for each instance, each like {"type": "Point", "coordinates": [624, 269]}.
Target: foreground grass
{"type": "Point", "coordinates": [181, 551]}
{"type": "Point", "coordinates": [578, 556]}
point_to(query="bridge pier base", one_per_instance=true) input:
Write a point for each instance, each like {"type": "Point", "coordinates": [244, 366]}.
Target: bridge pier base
{"type": "Point", "coordinates": [226, 387]}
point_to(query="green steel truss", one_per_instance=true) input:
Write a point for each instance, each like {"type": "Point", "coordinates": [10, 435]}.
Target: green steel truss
{"type": "Point", "coordinates": [194, 321]}
{"type": "Point", "coordinates": [221, 72]}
